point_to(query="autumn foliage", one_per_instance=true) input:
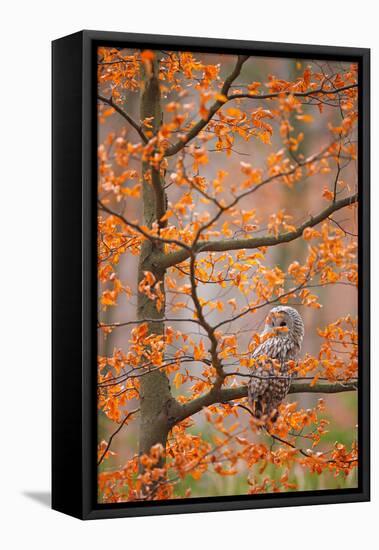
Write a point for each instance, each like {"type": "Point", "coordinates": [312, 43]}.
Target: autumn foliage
{"type": "Point", "coordinates": [223, 189]}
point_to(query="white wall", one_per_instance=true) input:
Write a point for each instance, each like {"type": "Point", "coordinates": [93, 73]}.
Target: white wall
{"type": "Point", "coordinates": [26, 31]}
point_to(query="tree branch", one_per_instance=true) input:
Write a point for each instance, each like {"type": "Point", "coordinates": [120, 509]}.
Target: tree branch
{"type": "Point", "coordinates": [308, 93]}
{"type": "Point", "coordinates": [216, 363]}
{"type": "Point", "coordinates": [127, 416]}
{"type": "Point", "coordinates": [109, 101]}
{"type": "Point", "coordinates": [140, 229]}
{"type": "Point", "coordinates": [179, 256]}
{"type": "Point", "coordinates": [196, 129]}
{"type": "Point", "coordinates": [229, 394]}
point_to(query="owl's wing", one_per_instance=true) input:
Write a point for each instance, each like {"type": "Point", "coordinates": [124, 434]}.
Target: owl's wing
{"type": "Point", "coordinates": [261, 376]}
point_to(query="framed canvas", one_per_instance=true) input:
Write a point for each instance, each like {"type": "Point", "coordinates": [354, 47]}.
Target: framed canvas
{"type": "Point", "coordinates": [210, 275]}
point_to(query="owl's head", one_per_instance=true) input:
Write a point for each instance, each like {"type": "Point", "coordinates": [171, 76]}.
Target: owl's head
{"type": "Point", "coordinates": [285, 321]}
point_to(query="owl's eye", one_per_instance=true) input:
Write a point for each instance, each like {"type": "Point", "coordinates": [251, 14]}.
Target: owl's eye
{"type": "Point", "coordinates": [283, 324]}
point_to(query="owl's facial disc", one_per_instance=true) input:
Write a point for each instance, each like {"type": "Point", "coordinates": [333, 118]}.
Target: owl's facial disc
{"type": "Point", "coordinates": [279, 322]}
{"type": "Point", "coordinates": [285, 321]}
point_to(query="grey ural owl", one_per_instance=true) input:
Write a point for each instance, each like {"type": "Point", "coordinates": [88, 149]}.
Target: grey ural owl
{"type": "Point", "coordinates": [271, 379]}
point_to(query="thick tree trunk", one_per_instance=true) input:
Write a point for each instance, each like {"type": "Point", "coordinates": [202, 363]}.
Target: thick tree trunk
{"type": "Point", "coordinates": [154, 389]}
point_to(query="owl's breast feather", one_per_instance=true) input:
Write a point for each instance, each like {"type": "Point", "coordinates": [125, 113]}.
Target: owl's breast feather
{"type": "Point", "coordinates": [278, 348]}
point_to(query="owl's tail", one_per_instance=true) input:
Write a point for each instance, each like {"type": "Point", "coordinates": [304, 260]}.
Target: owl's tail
{"type": "Point", "coordinates": [261, 411]}
{"type": "Point", "coordinates": [257, 408]}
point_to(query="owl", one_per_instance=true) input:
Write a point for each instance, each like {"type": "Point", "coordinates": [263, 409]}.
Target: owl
{"type": "Point", "coordinates": [271, 380]}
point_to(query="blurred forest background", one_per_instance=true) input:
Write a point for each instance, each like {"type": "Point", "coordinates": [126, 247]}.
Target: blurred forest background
{"type": "Point", "coordinates": [337, 301]}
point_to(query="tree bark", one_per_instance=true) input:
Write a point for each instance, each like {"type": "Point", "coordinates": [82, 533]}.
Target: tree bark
{"type": "Point", "coordinates": [155, 394]}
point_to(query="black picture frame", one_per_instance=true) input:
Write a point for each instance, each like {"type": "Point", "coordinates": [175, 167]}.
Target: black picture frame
{"type": "Point", "coordinates": [75, 286]}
